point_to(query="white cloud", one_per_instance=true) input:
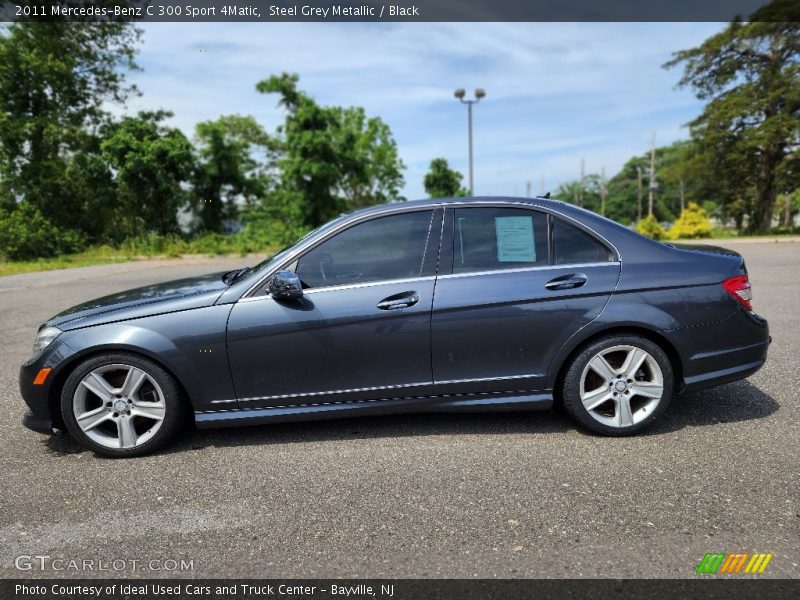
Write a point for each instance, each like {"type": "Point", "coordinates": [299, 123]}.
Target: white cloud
{"type": "Point", "coordinates": [556, 92]}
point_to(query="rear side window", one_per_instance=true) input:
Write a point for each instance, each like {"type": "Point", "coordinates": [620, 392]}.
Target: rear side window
{"type": "Point", "coordinates": [571, 245]}
{"type": "Point", "coordinates": [491, 239]}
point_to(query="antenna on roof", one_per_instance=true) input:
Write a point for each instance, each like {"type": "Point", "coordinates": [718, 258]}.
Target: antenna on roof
{"type": "Point", "coordinates": [546, 196]}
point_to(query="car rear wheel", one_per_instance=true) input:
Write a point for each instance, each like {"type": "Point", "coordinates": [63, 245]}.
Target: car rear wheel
{"type": "Point", "coordinates": [121, 405]}
{"type": "Point", "coordinates": [618, 385]}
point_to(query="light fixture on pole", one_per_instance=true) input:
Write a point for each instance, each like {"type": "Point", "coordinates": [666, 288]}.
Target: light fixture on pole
{"type": "Point", "coordinates": [460, 94]}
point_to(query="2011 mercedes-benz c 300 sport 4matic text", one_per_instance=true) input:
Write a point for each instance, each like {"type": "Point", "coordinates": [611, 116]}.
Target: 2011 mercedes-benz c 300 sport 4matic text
{"type": "Point", "coordinates": [438, 305]}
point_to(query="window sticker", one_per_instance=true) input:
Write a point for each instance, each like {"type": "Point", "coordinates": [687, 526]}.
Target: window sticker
{"type": "Point", "coordinates": [515, 239]}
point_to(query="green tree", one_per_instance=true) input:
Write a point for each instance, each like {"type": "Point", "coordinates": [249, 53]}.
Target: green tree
{"type": "Point", "coordinates": [750, 75]}
{"type": "Point", "coordinates": [227, 170]}
{"type": "Point", "coordinates": [330, 158]}
{"type": "Point", "coordinates": [443, 182]}
{"type": "Point", "coordinates": [152, 162]}
{"type": "Point", "coordinates": [55, 78]}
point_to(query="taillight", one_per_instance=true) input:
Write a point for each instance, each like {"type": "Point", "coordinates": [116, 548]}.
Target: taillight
{"type": "Point", "coordinates": [739, 288]}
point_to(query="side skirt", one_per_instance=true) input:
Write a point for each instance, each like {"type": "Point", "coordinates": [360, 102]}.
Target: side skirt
{"type": "Point", "coordinates": [542, 400]}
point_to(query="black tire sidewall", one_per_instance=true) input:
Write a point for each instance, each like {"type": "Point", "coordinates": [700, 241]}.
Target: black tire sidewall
{"type": "Point", "coordinates": [172, 398]}
{"type": "Point", "coordinates": [571, 397]}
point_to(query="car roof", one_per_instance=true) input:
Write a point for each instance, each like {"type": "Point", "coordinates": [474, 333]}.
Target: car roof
{"type": "Point", "coordinates": [431, 202]}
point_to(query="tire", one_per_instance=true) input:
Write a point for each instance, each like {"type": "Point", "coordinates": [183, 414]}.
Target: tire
{"type": "Point", "coordinates": [121, 405]}
{"type": "Point", "coordinates": [611, 386]}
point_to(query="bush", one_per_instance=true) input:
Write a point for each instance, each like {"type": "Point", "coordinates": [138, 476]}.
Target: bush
{"type": "Point", "coordinates": [25, 234]}
{"type": "Point", "coordinates": [651, 228]}
{"type": "Point", "coordinates": [692, 223]}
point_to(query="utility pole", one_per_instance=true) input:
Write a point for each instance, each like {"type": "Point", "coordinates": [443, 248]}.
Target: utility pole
{"type": "Point", "coordinates": [652, 185]}
{"type": "Point", "coordinates": [528, 188]}
{"type": "Point", "coordinates": [580, 187]}
{"type": "Point", "coordinates": [682, 203]}
{"type": "Point", "coordinates": [603, 191]}
{"type": "Point", "coordinates": [639, 176]}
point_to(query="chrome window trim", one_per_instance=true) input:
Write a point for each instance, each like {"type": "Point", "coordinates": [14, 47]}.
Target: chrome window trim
{"type": "Point", "coordinates": [615, 263]}
{"type": "Point", "coordinates": [349, 286]}
{"type": "Point", "coordinates": [451, 203]}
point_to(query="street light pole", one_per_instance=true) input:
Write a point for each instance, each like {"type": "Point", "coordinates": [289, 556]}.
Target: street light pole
{"type": "Point", "coordinates": [479, 93]}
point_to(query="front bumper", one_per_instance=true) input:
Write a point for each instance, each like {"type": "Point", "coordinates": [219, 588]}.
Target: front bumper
{"type": "Point", "coordinates": [41, 399]}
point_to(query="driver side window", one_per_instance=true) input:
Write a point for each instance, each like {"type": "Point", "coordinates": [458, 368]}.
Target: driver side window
{"type": "Point", "coordinates": [380, 249]}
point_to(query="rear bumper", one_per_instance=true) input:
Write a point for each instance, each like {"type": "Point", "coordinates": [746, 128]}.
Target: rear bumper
{"type": "Point", "coordinates": [722, 352]}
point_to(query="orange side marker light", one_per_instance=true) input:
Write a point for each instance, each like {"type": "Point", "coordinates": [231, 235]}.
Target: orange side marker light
{"type": "Point", "coordinates": [41, 376]}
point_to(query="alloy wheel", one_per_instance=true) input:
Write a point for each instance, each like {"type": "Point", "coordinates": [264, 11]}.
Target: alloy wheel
{"type": "Point", "coordinates": [119, 406]}
{"type": "Point", "coordinates": [621, 386]}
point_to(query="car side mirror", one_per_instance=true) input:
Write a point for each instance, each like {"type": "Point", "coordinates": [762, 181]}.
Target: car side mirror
{"type": "Point", "coordinates": [285, 285]}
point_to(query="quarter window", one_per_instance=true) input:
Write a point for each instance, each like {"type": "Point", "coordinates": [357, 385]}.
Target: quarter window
{"type": "Point", "coordinates": [490, 239]}
{"type": "Point", "coordinates": [380, 249]}
{"type": "Point", "coordinates": [571, 245]}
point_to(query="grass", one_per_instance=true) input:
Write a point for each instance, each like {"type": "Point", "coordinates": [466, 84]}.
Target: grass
{"type": "Point", "coordinates": [139, 250]}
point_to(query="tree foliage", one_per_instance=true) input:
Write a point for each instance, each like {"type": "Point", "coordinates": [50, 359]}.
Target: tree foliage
{"type": "Point", "coordinates": [693, 222]}
{"type": "Point", "coordinates": [443, 182]}
{"type": "Point", "coordinates": [331, 158]}
{"type": "Point", "coordinates": [650, 227]}
{"type": "Point", "coordinates": [55, 78]}
{"type": "Point", "coordinates": [151, 162]}
{"type": "Point", "coordinates": [749, 74]}
{"type": "Point", "coordinates": [227, 173]}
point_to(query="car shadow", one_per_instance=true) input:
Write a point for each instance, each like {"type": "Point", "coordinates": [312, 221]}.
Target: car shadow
{"type": "Point", "coordinates": [730, 403]}
{"type": "Point", "coordinates": [734, 402]}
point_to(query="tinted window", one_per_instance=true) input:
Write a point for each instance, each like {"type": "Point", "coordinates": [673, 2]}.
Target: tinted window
{"type": "Point", "coordinates": [571, 245]}
{"type": "Point", "coordinates": [380, 249]}
{"type": "Point", "coordinates": [488, 239]}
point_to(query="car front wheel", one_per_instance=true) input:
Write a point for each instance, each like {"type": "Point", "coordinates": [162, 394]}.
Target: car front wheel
{"type": "Point", "coordinates": [618, 385]}
{"type": "Point", "coordinates": [121, 405]}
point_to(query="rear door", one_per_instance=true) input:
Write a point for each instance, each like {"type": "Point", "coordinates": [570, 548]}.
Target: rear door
{"type": "Point", "coordinates": [514, 284]}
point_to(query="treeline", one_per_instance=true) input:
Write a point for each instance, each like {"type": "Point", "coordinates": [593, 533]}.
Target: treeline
{"type": "Point", "coordinates": [71, 174]}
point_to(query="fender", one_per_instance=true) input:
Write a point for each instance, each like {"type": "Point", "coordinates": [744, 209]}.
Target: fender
{"type": "Point", "coordinates": [198, 359]}
{"type": "Point", "coordinates": [619, 313]}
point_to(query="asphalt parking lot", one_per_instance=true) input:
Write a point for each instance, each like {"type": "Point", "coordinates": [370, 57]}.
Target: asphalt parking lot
{"type": "Point", "coordinates": [507, 495]}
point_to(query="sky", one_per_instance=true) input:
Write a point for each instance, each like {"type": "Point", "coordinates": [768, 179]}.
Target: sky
{"type": "Point", "coordinates": [556, 93]}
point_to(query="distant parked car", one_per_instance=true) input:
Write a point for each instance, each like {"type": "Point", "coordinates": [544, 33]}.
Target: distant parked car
{"type": "Point", "coordinates": [482, 304]}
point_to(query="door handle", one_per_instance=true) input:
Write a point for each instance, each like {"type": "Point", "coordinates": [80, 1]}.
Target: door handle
{"type": "Point", "coordinates": [567, 282]}
{"type": "Point", "coordinates": [401, 300]}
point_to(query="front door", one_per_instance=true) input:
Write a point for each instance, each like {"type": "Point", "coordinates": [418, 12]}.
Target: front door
{"type": "Point", "coordinates": [517, 283]}
{"type": "Point", "coordinates": [362, 329]}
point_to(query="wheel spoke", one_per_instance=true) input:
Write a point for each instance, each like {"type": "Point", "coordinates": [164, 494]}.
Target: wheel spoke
{"type": "Point", "coordinates": [623, 415]}
{"type": "Point", "coordinates": [600, 366]}
{"type": "Point", "coordinates": [97, 384]}
{"type": "Point", "coordinates": [93, 418]}
{"type": "Point", "coordinates": [633, 362]}
{"type": "Point", "coordinates": [595, 398]}
{"type": "Point", "coordinates": [148, 410]}
{"type": "Point", "coordinates": [647, 389]}
{"type": "Point", "coordinates": [126, 431]}
{"type": "Point", "coordinates": [133, 381]}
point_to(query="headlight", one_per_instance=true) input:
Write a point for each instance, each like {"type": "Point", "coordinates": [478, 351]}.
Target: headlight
{"type": "Point", "coordinates": [44, 338]}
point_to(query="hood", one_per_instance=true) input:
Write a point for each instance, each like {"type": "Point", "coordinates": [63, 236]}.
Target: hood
{"type": "Point", "coordinates": [170, 296]}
